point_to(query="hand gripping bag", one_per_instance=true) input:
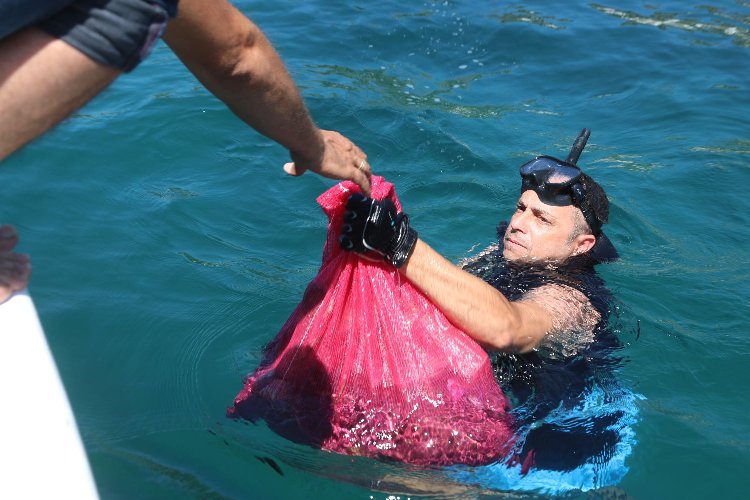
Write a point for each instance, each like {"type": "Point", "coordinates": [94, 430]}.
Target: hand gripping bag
{"type": "Point", "coordinates": [367, 365]}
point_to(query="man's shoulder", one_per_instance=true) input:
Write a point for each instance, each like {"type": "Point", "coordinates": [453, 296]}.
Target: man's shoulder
{"type": "Point", "coordinates": [570, 309]}
{"type": "Point", "coordinates": [556, 290]}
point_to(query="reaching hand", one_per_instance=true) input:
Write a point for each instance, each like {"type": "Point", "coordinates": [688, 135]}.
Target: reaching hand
{"type": "Point", "coordinates": [375, 225]}
{"type": "Point", "coordinates": [15, 268]}
{"type": "Point", "coordinates": [340, 159]}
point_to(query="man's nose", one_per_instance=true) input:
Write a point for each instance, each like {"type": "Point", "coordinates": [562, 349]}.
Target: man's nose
{"type": "Point", "coordinates": [519, 222]}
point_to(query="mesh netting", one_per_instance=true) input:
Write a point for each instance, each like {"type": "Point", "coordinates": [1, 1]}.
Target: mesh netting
{"type": "Point", "coordinates": [367, 365]}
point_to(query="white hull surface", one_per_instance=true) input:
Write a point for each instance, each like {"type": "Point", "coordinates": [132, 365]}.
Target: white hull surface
{"type": "Point", "coordinates": [41, 453]}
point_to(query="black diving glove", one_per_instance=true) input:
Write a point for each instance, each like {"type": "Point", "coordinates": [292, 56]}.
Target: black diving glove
{"type": "Point", "coordinates": [375, 225]}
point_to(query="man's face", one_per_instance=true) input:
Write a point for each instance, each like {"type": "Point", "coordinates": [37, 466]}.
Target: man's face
{"type": "Point", "coordinates": [541, 232]}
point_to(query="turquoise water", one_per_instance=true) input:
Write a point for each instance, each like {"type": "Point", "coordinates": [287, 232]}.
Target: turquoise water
{"type": "Point", "coordinates": [169, 246]}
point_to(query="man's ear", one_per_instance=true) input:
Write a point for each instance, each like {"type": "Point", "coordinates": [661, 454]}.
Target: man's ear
{"type": "Point", "coordinates": [583, 243]}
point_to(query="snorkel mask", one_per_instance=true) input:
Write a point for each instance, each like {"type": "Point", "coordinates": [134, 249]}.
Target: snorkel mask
{"type": "Point", "coordinates": [561, 183]}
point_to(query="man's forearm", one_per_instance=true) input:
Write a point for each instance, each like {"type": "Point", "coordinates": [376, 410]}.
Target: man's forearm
{"type": "Point", "coordinates": [473, 305]}
{"type": "Point", "coordinates": [235, 61]}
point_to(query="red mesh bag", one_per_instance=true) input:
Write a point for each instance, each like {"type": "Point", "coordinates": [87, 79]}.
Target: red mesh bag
{"type": "Point", "coordinates": [367, 365]}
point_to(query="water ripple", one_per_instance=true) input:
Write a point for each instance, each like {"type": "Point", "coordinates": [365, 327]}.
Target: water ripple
{"type": "Point", "coordinates": [728, 24]}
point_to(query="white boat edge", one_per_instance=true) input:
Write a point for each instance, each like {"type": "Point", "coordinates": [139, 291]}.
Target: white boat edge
{"type": "Point", "coordinates": [41, 455]}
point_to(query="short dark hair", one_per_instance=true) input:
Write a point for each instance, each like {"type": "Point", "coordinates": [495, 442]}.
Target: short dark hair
{"type": "Point", "coordinates": [603, 250]}
{"type": "Point", "coordinates": [598, 204]}
{"type": "Point", "coordinates": [597, 200]}
{"type": "Point", "coordinates": [580, 226]}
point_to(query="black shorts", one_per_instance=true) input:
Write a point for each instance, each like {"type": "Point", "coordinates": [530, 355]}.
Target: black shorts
{"type": "Point", "coordinates": [118, 33]}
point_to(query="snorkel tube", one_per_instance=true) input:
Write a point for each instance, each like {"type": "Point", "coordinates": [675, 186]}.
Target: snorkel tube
{"type": "Point", "coordinates": [604, 250]}
{"type": "Point", "coordinates": [577, 149]}
{"type": "Point", "coordinates": [562, 183]}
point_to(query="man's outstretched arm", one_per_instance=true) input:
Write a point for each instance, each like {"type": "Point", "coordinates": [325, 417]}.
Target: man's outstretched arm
{"type": "Point", "coordinates": [232, 58]}
{"type": "Point", "coordinates": [468, 302]}
{"type": "Point", "coordinates": [474, 306]}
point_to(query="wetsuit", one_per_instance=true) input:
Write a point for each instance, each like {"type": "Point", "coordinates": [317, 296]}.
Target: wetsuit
{"type": "Point", "coordinates": [573, 417]}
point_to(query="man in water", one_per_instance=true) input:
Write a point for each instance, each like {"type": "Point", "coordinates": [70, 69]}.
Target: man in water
{"type": "Point", "coordinates": [556, 225]}
{"type": "Point", "coordinates": [55, 55]}
{"type": "Point", "coordinates": [535, 299]}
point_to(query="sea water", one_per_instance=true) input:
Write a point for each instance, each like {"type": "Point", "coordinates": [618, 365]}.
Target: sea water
{"type": "Point", "coordinates": [168, 245]}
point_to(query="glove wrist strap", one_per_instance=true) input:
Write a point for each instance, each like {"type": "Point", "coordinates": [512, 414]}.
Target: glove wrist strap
{"type": "Point", "coordinates": [404, 246]}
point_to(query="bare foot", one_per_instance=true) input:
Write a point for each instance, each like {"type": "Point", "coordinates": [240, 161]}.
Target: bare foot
{"type": "Point", "coordinates": [15, 268]}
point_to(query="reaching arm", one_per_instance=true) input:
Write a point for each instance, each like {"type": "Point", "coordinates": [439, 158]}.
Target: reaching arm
{"type": "Point", "coordinates": [230, 55]}
{"type": "Point", "coordinates": [15, 268]}
{"type": "Point", "coordinates": [474, 306]}
{"type": "Point", "coordinates": [469, 303]}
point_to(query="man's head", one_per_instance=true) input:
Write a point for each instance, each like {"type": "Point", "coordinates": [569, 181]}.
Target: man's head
{"type": "Point", "coordinates": [560, 212]}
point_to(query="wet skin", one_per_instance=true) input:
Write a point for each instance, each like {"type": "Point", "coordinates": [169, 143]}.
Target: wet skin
{"type": "Point", "coordinates": [15, 268]}
{"type": "Point", "coordinates": [541, 232]}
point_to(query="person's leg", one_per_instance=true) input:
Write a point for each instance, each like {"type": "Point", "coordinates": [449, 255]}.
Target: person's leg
{"type": "Point", "coordinates": [15, 268]}
{"type": "Point", "coordinates": [42, 80]}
